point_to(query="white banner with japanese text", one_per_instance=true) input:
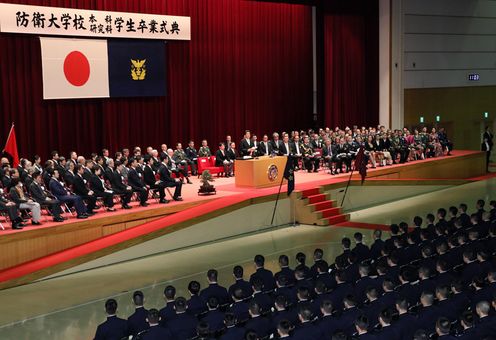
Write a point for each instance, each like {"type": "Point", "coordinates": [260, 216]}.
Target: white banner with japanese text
{"type": "Point", "coordinates": [88, 23]}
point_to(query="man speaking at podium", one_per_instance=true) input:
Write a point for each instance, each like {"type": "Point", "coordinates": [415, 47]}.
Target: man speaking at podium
{"type": "Point", "coordinates": [247, 148]}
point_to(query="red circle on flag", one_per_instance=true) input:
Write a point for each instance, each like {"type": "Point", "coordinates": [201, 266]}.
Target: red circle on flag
{"type": "Point", "coordinates": [76, 68]}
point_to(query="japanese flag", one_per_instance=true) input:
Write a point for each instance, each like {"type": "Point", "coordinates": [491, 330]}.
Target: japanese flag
{"type": "Point", "coordinates": [74, 68]}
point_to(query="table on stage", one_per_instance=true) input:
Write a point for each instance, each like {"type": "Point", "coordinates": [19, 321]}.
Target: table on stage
{"type": "Point", "coordinates": [261, 172]}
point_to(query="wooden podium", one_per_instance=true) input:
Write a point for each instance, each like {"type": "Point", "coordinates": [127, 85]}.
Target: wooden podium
{"type": "Point", "coordinates": [262, 172]}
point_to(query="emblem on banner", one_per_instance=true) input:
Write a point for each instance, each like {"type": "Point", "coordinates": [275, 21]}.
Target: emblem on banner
{"type": "Point", "coordinates": [138, 69]}
{"type": "Point", "coordinates": [272, 172]}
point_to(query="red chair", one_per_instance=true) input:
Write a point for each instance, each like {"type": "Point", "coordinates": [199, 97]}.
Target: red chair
{"type": "Point", "coordinates": [216, 169]}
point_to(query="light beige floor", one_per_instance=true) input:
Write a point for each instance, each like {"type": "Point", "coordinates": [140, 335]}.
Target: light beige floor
{"type": "Point", "coordinates": [71, 307]}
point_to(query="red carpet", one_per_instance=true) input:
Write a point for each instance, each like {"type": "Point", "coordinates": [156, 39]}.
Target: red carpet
{"type": "Point", "coordinates": [227, 195]}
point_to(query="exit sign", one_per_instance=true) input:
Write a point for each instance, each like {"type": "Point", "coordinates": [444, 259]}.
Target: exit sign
{"type": "Point", "coordinates": [474, 77]}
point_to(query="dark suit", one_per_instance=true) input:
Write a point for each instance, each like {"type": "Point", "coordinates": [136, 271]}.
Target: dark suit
{"type": "Point", "coordinates": [275, 145]}
{"type": "Point", "coordinates": [98, 188]}
{"type": "Point", "coordinates": [157, 333]}
{"type": "Point", "coordinates": [58, 190]}
{"type": "Point", "coordinates": [137, 321]}
{"type": "Point", "coordinates": [81, 189]}
{"type": "Point", "coordinates": [220, 157]}
{"type": "Point", "coordinates": [12, 211]}
{"type": "Point", "coordinates": [113, 329]}
{"type": "Point", "coordinates": [168, 181]}
{"type": "Point", "coordinates": [215, 290]}
{"type": "Point", "coordinates": [120, 188]}
{"type": "Point", "coordinates": [215, 320]}
{"type": "Point", "coordinates": [38, 195]}
{"type": "Point", "coordinates": [265, 148]}
{"type": "Point", "coordinates": [267, 278]}
{"type": "Point", "coordinates": [244, 145]}
{"type": "Point", "coordinates": [260, 325]}
{"type": "Point", "coordinates": [134, 180]}
{"type": "Point", "coordinates": [150, 180]}
{"type": "Point", "coordinates": [182, 326]}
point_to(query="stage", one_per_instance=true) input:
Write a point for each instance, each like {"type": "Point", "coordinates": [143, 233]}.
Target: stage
{"type": "Point", "coordinates": [36, 252]}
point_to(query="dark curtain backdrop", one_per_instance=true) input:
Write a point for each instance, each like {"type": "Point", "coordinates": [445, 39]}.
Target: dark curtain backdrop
{"type": "Point", "coordinates": [248, 66]}
{"type": "Point", "coordinates": [351, 65]}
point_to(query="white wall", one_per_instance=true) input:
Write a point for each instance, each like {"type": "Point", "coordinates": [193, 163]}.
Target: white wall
{"type": "Point", "coordinates": [446, 40]}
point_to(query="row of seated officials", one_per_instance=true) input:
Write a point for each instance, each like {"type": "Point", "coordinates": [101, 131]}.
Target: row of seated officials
{"type": "Point", "coordinates": [79, 183]}
{"type": "Point", "coordinates": [435, 280]}
{"type": "Point", "coordinates": [83, 186]}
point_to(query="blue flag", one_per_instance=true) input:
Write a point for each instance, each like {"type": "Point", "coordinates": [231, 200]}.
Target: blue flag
{"type": "Point", "coordinates": [136, 68]}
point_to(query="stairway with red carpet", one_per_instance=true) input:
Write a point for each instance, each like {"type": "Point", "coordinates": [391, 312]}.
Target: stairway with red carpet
{"type": "Point", "coordinates": [313, 206]}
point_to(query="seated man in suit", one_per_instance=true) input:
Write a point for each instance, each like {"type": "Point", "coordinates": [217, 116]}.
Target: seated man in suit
{"type": "Point", "coordinates": [118, 186]}
{"type": "Point", "coordinates": [11, 209]}
{"type": "Point", "coordinates": [151, 180]}
{"type": "Point", "coordinates": [135, 181]}
{"type": "Point", "coordinates": [39, 195]}
{"type": "Point", "coordinates": [98, 189]}
{"type": "Point", "coordinates": [113, 327]}
{"type": "Point", "coordinates": [329, 155]}
{"type": "Point", "coordinates": [222, 159]}
{"type": "Point", "coordinates": [80, 188]}
{"type": "Point", "coordinates": [275, 143]}
{"type": "Point", "coordinates": [60, 192]}
{"type": "Point", "coordinates": [18, 197]}
{"type": "Point", "coordinates": [167, 181]}
{"type": "Point", "coordinates": [231, 152]}
{"type": "Point", "coordinates": [265, 147]}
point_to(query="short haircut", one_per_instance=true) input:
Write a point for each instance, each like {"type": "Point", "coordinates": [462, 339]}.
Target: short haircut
{"type": "Point", "coordinates": [110, 306]}
{"type": "Point", "coordinates": [230, 319]}
{"type": "Point", "coordinates": [417, 220]}
{"type": "Point", "coordinates": [362, 322]}
{"type": "Point", "coordinates": [138, 298]}
{"type": "Point", "coordinates": [468, 318]}
{"type": "Point", "coordinates": [358, 237]}
{"type": "Point", "coordinates": [213, 302]}
{"type": "Point", "coordinates": [284, 326]}
{"type": "Point", "coordinates": [386, 315]}
{"type": "Point", "coordinates": [259, 260]}
{"type": "Point", "coordinates": [483, 306]}
{"type": "Point", "coordinates": [153, 316]}
{"type": "Point", "coordinates": [346, 242]}
{"type": "Point", "coordinates": [180, 304]}
{"type": "Point", "coordinates": [318, 253]}
{"type": "Point", "coordinates": [402, 303]}
{"type": "Point", "coordinates": [305, 311]}
{"type": "Point", "coordinates": [443, 324]}
{"type": "Point", "coordinates": [238, 272]}
{"type": "Point", "coordinates": [254, 307]}
{"type": "Point", "coordinates": [421, 334]}
{"type": "Point", "coordinates": [301, 258]}
{"type": "Point", "coordinates": [212, 275]}
{"type": "Point", "coordinates": [283, 260]}
{"type": "Point", "coordinates": [194, 287]}
{"type": "Point", "coordinates": [394, 228]}
{"type": "Point", "coordinates": [203, 329]}
{"type": "Point", "coordinates": [170, 292]}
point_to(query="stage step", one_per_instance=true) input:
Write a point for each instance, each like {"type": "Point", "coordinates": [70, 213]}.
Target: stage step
{"type": "Point", "coordinates": [333, 220]}
{"type": "Point", "coordinates": [310, 192]}
{"type": "Point", "coordinates": [329, 212]}
{"type": "Point", "coordinates": [317, 198]}
{"type": "Point", "coordinates": [322, 205]}
{"type": "Point", "coordinates": [316, 208]}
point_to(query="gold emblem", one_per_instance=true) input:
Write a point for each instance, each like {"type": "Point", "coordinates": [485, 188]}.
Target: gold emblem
{"type": "Point", "coordinates": [272, 172]}
{"type": "Point", "coordinates": [138, 69]}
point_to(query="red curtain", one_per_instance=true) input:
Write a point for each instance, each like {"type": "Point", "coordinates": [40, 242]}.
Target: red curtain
{"type": "Point", "coordinates": [248, 66]}
{"type": "Point", "coordinates": [351, 68]}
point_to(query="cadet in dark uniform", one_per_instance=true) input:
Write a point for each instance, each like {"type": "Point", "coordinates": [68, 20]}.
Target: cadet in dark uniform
{"type": "Point", "coordinates": [137, 321]}
{"type": "Point", "coordinates": [113, 328]}
{"type": "Point", "coordinates": [154, 331]}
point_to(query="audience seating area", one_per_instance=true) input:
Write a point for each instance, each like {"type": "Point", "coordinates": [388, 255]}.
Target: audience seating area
{"type": "Point", "coordinates": [435, 280]}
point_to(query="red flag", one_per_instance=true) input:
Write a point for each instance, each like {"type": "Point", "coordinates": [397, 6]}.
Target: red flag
{"type": "Point", "coordinates": [361, 163]}
{"type": "Point", "coordinates": [11, 147]}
